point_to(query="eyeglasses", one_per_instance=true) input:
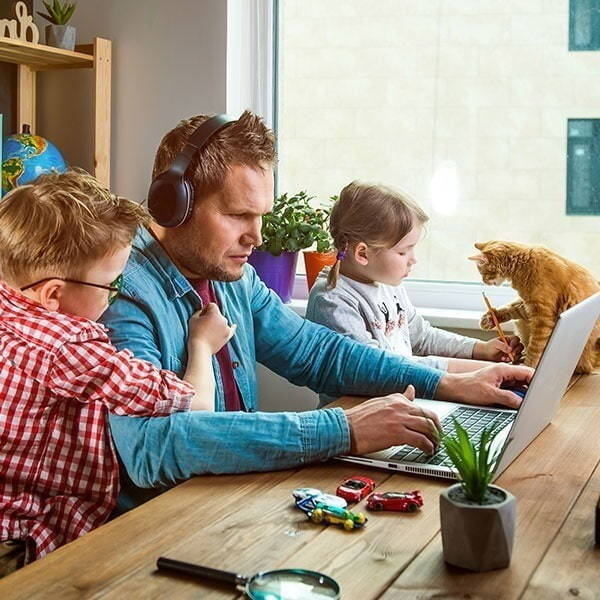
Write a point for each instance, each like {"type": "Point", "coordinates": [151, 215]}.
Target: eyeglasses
{"type": "Point", "coordinates": [114, 289]}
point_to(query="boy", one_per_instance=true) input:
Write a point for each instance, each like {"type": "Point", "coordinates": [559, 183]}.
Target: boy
{"type": "Point", "coordinates": [64, 242]}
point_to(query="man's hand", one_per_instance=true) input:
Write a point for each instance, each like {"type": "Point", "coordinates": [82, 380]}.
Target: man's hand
{"type": "Point", "coordinates": [497, 351]}
{"type": "Point", "coordinates": [392, 421]}
{"type": "Point", "coordinates": [483, 386]}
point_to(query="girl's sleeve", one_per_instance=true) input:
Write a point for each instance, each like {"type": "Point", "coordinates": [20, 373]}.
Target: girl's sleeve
{"type": "Point", "coordinates": [427, 340]}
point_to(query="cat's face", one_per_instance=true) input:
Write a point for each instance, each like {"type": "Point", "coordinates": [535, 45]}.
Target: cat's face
{"type": "Point", "coordinates": [495, 261]}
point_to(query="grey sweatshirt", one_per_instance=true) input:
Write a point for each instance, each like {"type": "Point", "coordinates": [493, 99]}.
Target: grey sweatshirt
{"type": "Point", "coordinates": [382, 315]}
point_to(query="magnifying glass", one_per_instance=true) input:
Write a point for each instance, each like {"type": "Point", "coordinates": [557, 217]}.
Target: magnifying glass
{"type": "Point", "coordinates": [283, 584]}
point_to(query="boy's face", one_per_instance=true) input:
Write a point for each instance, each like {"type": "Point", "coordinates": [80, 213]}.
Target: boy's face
{"type": "Point", "coordinates": [78, 299]}
{"type": "Point", "coordinates": [88, 301]}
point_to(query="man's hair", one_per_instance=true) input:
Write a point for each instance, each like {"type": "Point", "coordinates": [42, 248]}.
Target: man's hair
{"type": "Point", "coordinates": [377, 215]}
{"type": "Point", "coordinates": [247, 142]}
{"type": "Point", "coordinates": [61, 223]}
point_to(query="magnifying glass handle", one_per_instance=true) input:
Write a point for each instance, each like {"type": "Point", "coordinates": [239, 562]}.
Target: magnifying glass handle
{"type": "Point", "coordinates": [168, 564]}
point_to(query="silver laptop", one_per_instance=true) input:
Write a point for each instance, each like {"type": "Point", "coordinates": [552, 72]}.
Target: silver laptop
{"type": "Point", "coordinates": [518, 428]}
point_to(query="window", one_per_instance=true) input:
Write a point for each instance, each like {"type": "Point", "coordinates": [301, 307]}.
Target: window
{"type": "Point", "coordinates": [584, 25]}
{"type": "Point", "coordinates": [461, 104]}
{"type": "Point", "coordinates": [583, 164]}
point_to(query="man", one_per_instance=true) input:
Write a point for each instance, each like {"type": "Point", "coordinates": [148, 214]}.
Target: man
{"type": "Point", "coordinates": [175, 271]}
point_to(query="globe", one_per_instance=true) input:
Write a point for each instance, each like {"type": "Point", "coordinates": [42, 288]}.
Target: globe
{"type": "Point", "coordinates": [25, 157]}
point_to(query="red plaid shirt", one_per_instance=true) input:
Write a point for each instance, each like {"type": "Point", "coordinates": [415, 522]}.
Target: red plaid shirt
{"type": "Point", "coordinates": [59, 375]}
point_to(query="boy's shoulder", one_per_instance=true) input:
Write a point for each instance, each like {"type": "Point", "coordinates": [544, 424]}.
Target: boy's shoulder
{"type": "Point", "coordinates": [31, 323]}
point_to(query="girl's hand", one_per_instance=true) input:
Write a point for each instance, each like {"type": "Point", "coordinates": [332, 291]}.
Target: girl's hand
{"type": "Point", "coordinates": [208, 328]}
{"type": "Point", "coordinates": [497, 351]}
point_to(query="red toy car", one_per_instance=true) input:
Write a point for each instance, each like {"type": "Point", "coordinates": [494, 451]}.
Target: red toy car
{"type": "Point", "coordinates": [402, 501]}
{"type": "Point", "coordinates": [354, 489]}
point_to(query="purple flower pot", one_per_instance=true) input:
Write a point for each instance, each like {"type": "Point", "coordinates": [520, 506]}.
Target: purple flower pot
{"type": "Point", "coordinates": [278, 272]}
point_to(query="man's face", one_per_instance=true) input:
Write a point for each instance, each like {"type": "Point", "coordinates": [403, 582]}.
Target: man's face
{"type": "Point", "coordinates": [224, 227]}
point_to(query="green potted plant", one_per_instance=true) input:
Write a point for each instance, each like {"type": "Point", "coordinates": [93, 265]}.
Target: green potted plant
{"type": "Point", "coordinates": [324, 253]}
{"type": "Point", "coordinates": [291, 226]}
{"type": "Point", "coordinates": [477, 519]}
{"type": "Point", "coordinates": [59, 34]}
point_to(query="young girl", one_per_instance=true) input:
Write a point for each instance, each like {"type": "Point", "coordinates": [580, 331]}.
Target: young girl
{"type": "Point", "coordinates": [375, 230]}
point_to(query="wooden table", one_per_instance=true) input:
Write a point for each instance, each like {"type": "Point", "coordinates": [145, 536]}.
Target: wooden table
{"type": "Point", "coordinates": [247, 523]}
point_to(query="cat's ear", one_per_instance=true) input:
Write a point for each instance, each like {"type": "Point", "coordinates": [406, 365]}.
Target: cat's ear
{"type": "Point", "coordinates": [479, 258]}
{"type": "Point", "coordinates": [480, 245]}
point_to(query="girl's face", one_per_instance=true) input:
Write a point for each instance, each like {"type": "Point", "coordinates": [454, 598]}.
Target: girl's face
{"type": "Point", "coordinates": [392, 265]}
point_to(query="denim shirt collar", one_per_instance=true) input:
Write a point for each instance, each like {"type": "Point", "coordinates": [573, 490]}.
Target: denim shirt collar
{"type": "Point", "coordinates": [176, 284]}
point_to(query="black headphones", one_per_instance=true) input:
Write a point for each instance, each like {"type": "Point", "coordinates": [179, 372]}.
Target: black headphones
{"type": "Point", "coordinates": [171, 195]}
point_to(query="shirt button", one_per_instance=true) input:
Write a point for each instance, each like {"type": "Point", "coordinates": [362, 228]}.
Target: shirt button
{"type": "Point", "coordinates": [235, 364]}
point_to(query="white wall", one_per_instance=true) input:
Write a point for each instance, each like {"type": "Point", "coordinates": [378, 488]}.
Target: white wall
{"type": "Point", "coordinates": [169, 63]}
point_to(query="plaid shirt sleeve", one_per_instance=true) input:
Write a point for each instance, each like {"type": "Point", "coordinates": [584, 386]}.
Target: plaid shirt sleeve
{"type": "Point", "coordinates": [93, 370]}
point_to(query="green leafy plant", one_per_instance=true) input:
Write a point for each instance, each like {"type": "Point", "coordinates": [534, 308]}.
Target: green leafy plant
{"type": "Point", "coordinates": [322, 236]}
{"type": "Point", "coordinates": [294, 224]}
{"type": "Point", "coordinates": [473, 459]}
{"type": "Point", "coordinates": [58, 13]}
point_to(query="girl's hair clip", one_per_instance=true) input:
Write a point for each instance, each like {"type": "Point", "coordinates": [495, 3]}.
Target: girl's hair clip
{"type": "Point", "coordinates": [341, 255]}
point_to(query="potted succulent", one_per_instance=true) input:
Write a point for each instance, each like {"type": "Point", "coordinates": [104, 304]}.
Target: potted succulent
{"type": "Point", "coordinates": [324, 254]}
{"type": "Point", "coordinates": [291, 226]}
{"type": "Point", "coordinates": [59, 34]}
{"type": "Point", "coordinates": [478, 519]}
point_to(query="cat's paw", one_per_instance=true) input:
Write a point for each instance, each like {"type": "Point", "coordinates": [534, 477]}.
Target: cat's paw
{"type": "Point", "coordinates": [486, 321]}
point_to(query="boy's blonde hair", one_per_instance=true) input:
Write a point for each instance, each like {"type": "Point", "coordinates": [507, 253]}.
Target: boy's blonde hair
{"type": "Point", "coordinates": [61, 223]}
{"type": "Point", "coordinates": [377, 215]}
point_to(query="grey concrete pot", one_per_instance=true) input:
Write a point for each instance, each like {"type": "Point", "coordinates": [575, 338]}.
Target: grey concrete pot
{"type": "Point", "coordinates": [61, 36]}
{"type": "Point", "coordinates": [477, 537]}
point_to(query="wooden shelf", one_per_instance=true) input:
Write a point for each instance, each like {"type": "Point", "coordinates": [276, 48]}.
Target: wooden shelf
{"type": "Point", "coordinates": [41, 57]}
{"type": "Point", "coordinates": [31, 58]}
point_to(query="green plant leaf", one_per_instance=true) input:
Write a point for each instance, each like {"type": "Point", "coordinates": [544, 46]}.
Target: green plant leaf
{"type": "Point", "coordinates": [472, 458]}
{"type": "Point", "coordinates": [294, 224]}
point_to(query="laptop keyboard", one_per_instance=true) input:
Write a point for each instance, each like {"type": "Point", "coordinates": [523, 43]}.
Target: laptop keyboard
{"type": "Point", "coordinates": [472, 419]}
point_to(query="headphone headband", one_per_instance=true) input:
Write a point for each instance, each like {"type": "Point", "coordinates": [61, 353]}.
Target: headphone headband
{"type": "Point", "coordinates": [171, 195]}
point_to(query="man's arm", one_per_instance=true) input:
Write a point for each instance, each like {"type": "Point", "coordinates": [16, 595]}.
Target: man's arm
{"type": "Point", "coordinates": [162, 451]}
{"type": "Point", "coordinates": [312, 355]}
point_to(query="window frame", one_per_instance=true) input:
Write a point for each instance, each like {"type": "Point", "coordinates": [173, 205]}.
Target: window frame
{"type": "Point", "coordinates": [593, 145]}
{"type": "Point", "coordinates": [452, 304]}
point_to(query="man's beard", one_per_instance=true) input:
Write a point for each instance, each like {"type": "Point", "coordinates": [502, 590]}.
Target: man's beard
{"type": "Point", "coordinates": [206, 270]}
{"type": "Point", "coordinates": [203, 269]}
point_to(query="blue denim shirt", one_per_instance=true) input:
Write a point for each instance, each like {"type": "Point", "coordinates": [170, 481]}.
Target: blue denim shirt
{"type": "Point", "coordinates": [151, 319]}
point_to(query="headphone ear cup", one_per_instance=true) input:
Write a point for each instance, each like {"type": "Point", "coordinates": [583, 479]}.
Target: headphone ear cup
{"type": "Point", "coordinates": [170, 200]}
{"type": "Point", "coordinates": [171, 195]}
{"type": "Point", "coordinates": [188, 201]}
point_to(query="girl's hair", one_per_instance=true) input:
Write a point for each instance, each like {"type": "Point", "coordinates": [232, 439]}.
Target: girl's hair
{"type": "Point", "coordinates": [377, 215]}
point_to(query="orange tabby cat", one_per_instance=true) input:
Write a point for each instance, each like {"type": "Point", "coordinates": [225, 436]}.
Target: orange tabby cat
{"type": "Point", "coordinates": [547, 284]}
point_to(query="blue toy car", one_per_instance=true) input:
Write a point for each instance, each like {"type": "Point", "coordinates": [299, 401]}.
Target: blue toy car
{"type": "Point", "coordinates": [307, 498]}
